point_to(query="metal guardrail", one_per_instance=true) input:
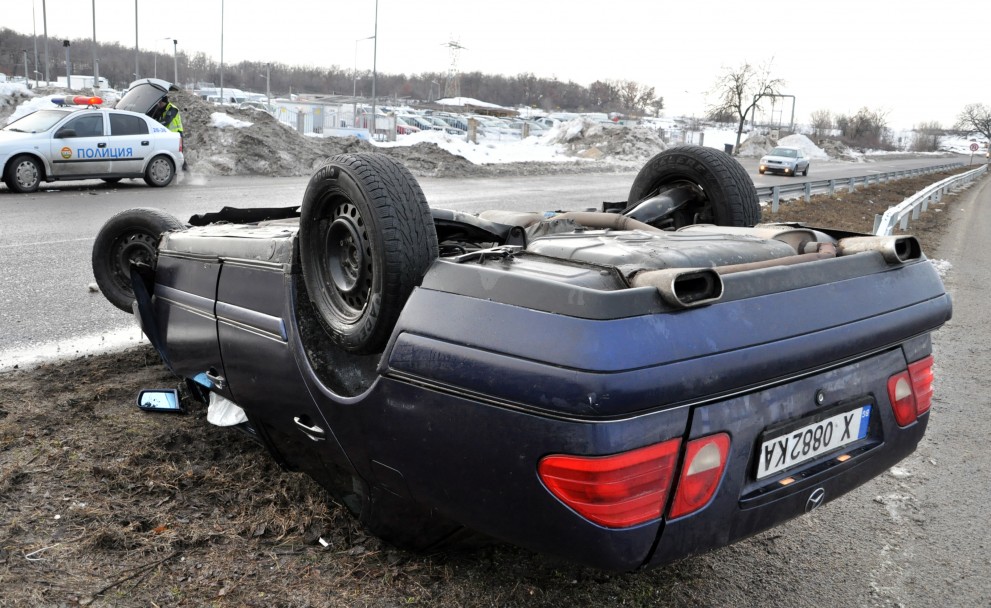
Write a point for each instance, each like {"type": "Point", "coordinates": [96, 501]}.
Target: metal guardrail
{"type": "Point", "coordinates": [884, 224]}
{"type": "Point", "coordinates": [829, 186]}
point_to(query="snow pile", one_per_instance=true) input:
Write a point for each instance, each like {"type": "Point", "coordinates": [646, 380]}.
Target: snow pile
{"type": "Point", "coordinates": [221, 120]}
{"type": "Point", "coordinates": [589, 139]}
{"type": "Point", "coordinates": [531, 149]}
{"type": "Point", "coordinates": [758, 145]}
{"type": "Point", "coordinates": [12, 97]}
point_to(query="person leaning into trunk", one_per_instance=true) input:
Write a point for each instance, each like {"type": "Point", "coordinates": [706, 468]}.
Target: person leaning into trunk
{"type": "Point", "coordinates": [168, 115]}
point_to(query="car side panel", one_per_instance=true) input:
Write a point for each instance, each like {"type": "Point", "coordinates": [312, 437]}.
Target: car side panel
{"type": "Point", "coordinates": [184, 304]}
{"type": "Point", "coordinates": [252, 302]}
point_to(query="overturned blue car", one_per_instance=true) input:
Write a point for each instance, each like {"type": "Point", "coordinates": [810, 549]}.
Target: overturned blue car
{"type": "Point", "coordinates": [621, 388]}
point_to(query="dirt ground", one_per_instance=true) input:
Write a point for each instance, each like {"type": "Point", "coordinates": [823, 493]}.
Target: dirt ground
{"type": "Point", "coordinates": [104, 505]}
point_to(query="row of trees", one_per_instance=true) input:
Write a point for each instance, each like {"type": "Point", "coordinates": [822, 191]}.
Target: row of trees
{"type": "Point", "coordinates": [740, 91]}
{"type": "Point", "coordinates": [117, 65]}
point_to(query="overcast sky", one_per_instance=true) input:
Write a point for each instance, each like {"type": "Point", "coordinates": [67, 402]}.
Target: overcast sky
{"type": "Point", "coordinates": [915, 62]}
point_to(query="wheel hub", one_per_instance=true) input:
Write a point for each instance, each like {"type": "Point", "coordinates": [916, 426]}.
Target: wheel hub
{"type": "Point", "coordinates": [26, 174]}
{"type": "Point", "coordinates": [136, 247]}
{"type": "Point", "coordinates": [349, 259]}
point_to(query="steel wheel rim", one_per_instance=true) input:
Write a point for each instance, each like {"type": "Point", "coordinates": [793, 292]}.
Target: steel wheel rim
{"type": "Point", "coordinates": [347, 264]}
{"type": "Point", "coordinates": [136, 247]}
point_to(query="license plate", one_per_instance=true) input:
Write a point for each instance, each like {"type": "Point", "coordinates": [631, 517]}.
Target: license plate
{"type": "Point", "coordinates": [796, 446]}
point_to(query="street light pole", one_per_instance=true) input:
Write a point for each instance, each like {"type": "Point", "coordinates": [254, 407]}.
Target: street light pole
{"type": "Point", "coordinates": [375, 55]}
{"type": "Point", "coordinates": [44, 20]}
{"type": "Point", "coordinates": [268, 83]}
{"type": "Point", "coordinates": [34, 26]}
{"type": "Point", "coordinates": [136, 39]}
{"type": "Point", "coordinates": [221, 51]}
{"type": "Point", "coordinates": [96, 65]}
{"type": "Point", "coordinates": [175, 61]}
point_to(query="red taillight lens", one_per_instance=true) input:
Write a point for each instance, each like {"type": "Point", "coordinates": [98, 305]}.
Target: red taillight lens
{"type": "Point", "coordinates": [705, 461]}
{"type": "Point", "coordinates": [911, 391]}
{"type": "Point", "coordinates": [616, 491]}
{"type": "Point", "coordinates": [922, 383]}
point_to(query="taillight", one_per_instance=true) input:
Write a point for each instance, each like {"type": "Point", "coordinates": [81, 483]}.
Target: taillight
{"type": "Point", "coordinates": [615, 491]}
{"type": "Point", "coordinates": [911, 391]}
{"type": "Point", "coordinates": [705, 461]}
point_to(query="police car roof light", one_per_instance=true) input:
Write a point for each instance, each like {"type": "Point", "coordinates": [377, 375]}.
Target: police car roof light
{"type": "Point", "coordinates": [77, 100]}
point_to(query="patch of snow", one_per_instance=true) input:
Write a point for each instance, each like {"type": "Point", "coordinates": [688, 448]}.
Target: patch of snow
{"type": "Point", "coordinates": [221, 120]}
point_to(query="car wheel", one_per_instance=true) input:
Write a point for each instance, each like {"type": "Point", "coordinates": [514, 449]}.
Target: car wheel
{"type": "Point", "coordinates": [725, 193]}
{"type": "Point", "coordinates": [160, 172]}
{"type": "Point", "coordinates": [130, 236]}
{"type": "Point", "coordinates": [23, 174]}
{"type": "Point", "coordinates": [806, 171]}
{"type": "Point", "coordinates": [761, 171]}
{"type": "Point", "coordinates": [366, 238]}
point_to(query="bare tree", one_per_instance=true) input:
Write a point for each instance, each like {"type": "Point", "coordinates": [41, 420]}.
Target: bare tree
{"type": "Point", "coordinates": [822, 123]}
{"type": "Point", "coordinates": [867, 128]}
{"type": "Point", "coordinates": [927, 137]}
{"type": "Point", "coordinates": [740, 90]}
{"type": "Point", "coordinates": [635, 96]}
{"type": "Point", "coordinates": [975, 117]}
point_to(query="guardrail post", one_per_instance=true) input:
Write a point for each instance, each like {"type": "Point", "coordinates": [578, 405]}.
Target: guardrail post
{"type": "Point", "coordinates": [877, 222]}
{"type": "Point", "coordinates": [904, 223]}
{"type": "Point", "coordinates": [775, 198]}
{"type": "Point", "coordinates": [917, 210]}
{"type": "Point", "coordinates": [853, 184]}
{"type": "Point", "coordinates": [808, 191]}
{"type": "Point", "coordinates": [832, 187]}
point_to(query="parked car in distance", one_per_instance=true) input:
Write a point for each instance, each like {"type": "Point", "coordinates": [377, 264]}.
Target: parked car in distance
{"type": "Point", "coordinates": [83, 141]}
{"type": "Point", "coordinates": [620, 388]}
{"type": "Point", "coordinates": [786, 160]}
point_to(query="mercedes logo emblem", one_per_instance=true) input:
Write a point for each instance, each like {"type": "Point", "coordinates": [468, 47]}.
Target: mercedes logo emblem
{"type": "Point", "coordinates": [815, 499]}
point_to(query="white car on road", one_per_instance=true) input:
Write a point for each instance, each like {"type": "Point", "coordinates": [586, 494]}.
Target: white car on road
{"type": "Point", "coordinates": [87, 142]}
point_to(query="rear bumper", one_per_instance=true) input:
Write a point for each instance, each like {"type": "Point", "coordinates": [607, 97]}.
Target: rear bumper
{"type": "Point", "coordinates": [476, 462]}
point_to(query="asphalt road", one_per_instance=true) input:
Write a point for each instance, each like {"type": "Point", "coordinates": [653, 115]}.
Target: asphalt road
{"type": "Point", "coordinates": [916, 536]}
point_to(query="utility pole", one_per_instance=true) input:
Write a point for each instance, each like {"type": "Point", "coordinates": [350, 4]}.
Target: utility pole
{"type": "Point", "coordinates": [96, 64]}
{"type": "Point", "coordinates": [44, 20]}
{"type": "Point", "coordinates": [34, 28]}
{"type": "Point", "coordinates": [68, 76]}
{"type": "Point", "coordinates": [175, 61]}
{"type": "Point", "coordinates": [375, 54]}
{"type": "Point", "coordinates": [136, 39]}
{"type": "Point", "coordinates": [221, 51]}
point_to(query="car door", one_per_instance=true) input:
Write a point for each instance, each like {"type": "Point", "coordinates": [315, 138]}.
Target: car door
{"type": "Point", "coordinates": [130, 143]}
{"type": "Point", "coordinates": [79, 146]}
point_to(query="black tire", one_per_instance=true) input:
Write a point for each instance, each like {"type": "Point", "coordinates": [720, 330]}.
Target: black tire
{"type": "Point", "coordinates": [727, 196]}
{"type": "Point", "coordinates": [806, 172]}
{"type": "Point", "coordinates": [23, 174]}
{"type": "Point", "coordinates": [130, 235]}
{"type": "Point", "coordinates": [366, 238]}
{"type": "Point", "coordinates": [160, 172]}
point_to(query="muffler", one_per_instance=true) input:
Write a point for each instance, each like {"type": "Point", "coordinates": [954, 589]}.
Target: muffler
{"type": "Point", "coordinates": [682, 287]}
{"type": "Point", "coordinates": [894, 249]}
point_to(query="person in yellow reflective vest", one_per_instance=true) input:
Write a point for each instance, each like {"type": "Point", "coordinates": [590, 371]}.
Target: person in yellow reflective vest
{"type": "Point", "coordinates": [168, 115]}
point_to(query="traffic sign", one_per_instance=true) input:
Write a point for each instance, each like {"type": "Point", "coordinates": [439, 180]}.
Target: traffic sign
{"type": "Point", "coordinates": [973, 147]}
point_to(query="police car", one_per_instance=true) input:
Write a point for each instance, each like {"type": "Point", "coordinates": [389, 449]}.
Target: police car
{"type": "Point", "coordinates": [75, 139]}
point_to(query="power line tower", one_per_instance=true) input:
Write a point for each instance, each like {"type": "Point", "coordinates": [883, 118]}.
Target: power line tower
{"type": "Point", "coordinates": [452, 87]}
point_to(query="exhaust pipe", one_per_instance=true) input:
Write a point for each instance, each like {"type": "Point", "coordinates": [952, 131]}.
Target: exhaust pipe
{"type": "Point", "coordinates": [894, 249]}
{"type": "Point", "coordinates": [683, 287]}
